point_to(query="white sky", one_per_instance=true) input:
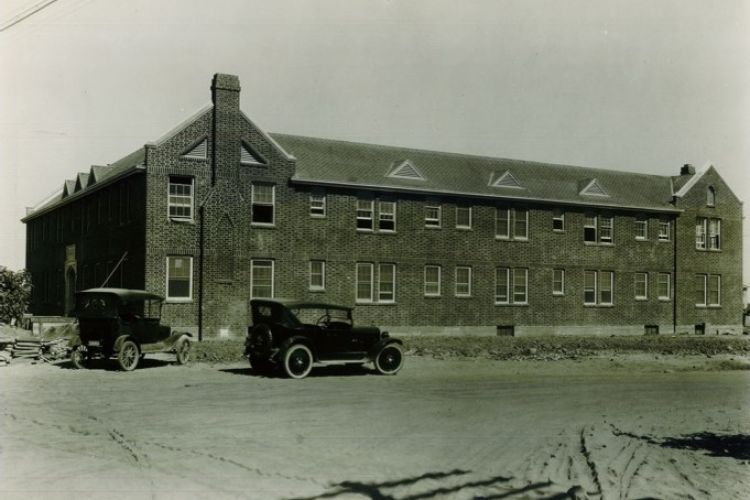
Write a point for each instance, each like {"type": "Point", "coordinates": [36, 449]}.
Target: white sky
{"type": "Point", "coordinates": [624, 84]}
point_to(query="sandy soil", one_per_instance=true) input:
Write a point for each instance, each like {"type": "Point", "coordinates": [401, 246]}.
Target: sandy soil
{"type": "Point", "coordinates": [628, 428]}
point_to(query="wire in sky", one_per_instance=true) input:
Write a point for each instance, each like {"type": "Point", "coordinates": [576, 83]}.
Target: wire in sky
{"type": "Point", "coordinates": [26, 14]}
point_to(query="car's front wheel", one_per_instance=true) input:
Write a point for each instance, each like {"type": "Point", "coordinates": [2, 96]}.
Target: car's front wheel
{"type": "Point", "coordinates": [182, 351]}
{"type": "Point", "coordinates": [297, 361]}
{"type": "Point", "coordinates": [128, 355]}
{"type": "Point", "coordinates": [390, 359]}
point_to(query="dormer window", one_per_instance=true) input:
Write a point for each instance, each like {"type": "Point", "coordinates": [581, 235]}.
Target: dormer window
{"type": "Point", "coordinates": [710, 196]}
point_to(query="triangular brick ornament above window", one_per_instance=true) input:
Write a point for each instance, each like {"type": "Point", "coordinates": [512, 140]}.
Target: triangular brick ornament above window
{"type": "Point", "coordinates": [248, 156]}
{"type": "Point", "coordinates": [593, 188]}
{"type": "Point", "coordinates": [198, 151]}
{"type": "Point", "coordinates": [507, 180]}
{"type": "Point", "coordinates": [406, 170]}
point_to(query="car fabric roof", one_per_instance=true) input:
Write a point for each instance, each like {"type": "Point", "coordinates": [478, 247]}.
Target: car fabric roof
{"type": "Point", "coordinates": [301, 304]}
{"type": "Point", "coordinates": [124, 293]}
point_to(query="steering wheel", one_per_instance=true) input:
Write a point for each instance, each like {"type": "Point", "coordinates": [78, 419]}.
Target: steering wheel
{"type": "Point", "coordinates": [323, 320]}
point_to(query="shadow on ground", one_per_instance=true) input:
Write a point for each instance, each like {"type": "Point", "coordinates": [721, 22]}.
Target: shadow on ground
{"type": "Point", "coordinates": [735, 446]}
{"type": "Point", "coordinates": [318, 372]}
{"type": "Point", "coordinates": [111, 364]}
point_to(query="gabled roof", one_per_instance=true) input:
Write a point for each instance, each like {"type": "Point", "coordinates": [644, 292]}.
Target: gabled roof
{"type": "Point", "coordinates": [506, 180]}
{"type": "Point", "coordinates": [684, 183]}
{"type": "Point", "coordinates": [404, 169]}
{"type": "Point", "coordinates": [248, 155]}
{"type": "Point", "coordinates": [349, 164]}
{"type": "Point", "coordinates": [81, 181]}
{"type": "Point", "coordinates": [592, 187]}
{"type": "Point", "coordinates": [69, 187]}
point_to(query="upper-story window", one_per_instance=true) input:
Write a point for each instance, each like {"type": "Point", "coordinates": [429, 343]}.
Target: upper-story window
{"type": "Point", "coordinates": [463, 217]}
{"type": "Point", "coordinates": [707, 234]}
{"type": "Point", "coordinates": [263, 201]}
{"type": "Point", "coordinates": [387, 216]}
{"type": "Point", "coordinates": [710, 196]}
{"type": "Point", "coordinates": [317, 275]}
{"type": "Point", "coordinates": [432, 216]}
{"type": "Point", "coordinates": [641, 228]}
{"type": "Point", "coordinates": [180, 197]}
{"type": "Point", "coordinates": [598, 229]}
{"type": "Point", "coordinates": [317, 205]}
{"type": "Point", "coordinates": [365, 210]}
{"type": "Point", "coordinates": [511, 222]}
{"type": "Point", "coordinates": [665, 230]}
{"type": "Point", "coordinates": [558, 220]}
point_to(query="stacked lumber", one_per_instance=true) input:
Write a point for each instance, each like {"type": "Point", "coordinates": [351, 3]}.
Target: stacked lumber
{"type": "Point", "coordinates": [31, 348]}
{"type": "Point", "coordinates": [27, 348]}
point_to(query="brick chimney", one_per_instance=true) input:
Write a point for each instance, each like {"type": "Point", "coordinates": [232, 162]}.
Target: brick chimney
{"type": "Point", "coordinates": [687, 169]}
{"type": "Point", "coordinates": [227, 128]}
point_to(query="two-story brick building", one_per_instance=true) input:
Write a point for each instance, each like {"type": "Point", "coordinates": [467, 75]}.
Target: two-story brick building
{"type": "Point", "coordinates": [218, 211]}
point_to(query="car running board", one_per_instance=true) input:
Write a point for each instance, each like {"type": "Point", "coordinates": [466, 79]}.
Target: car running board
{"type": "Point", "coordinates": [333, 362]}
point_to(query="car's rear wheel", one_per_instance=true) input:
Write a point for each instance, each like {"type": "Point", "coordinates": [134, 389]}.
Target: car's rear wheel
{"type": "Point", "coordinates": [128, 355]}
{"type": "Point", "coordinates": [79, 357]}
{"type": "Point", "coordinates": [298, 361]}
{"type": "Point", "coordinates": [182, 351]}
{"type": "Point", "coordinates": [390, 359]}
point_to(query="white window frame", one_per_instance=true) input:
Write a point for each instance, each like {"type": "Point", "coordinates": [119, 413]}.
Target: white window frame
{"type": "Point", "coordinates": [255, 203]}
{"type": "Point", "coordinates": [382, 295]}
{"type": "Point", "coordinates": [507, 220]}
{"type": "Point", "coordinates": [643, 282]}
{"type": "Point", "coordinates": [660, 281]}
{"type": "Point", "coordinates": [561, 281]}
{"type": "Point", "coordinates": [258, 263]}
{"type": "Point", "coordinates": [524, 274]}
{"type": "Point", "coordinates": [704, 287]}
{"type": "Point", "coordinates": [525, 213]}
{"type": "Point", "coordinates": [591, 222]}
{"type": "Point", "coordinates": [318, 206]}
{"type": "Point", "coordinates": [558, 216]}
{"type": "Point", "coordinates": [469, 212]}
{"type": "Point", "coordinates": [357, 281]}
{"type": "Point", "coordinates": [189, 297]}
{"type": "Point", "coordinates": [427, 284]}
{"type": "Point", "coordinates": [383, 215]}
{"type": "Point", "coordinates": [434, 222]}
{"type": "Point", "coordinates": [611, 286]}
{"type": "Point", "coordinates": [365, 214]}
{"type": "Point", "coordinates": [641, 228]}
{"type": "Point", "coordinates": [456, 283]}
{"type": "Point", "coordinates": [312, 272]}
{"type": "Point", "coordinates": [176, 197]}
{"type": "Point", "coordinates": [609, 227]}
{"type": "Point", "coordinates": [502, 279]}
{"type": "Point", "coordinates": [714, 234]}
{"type": "Point", "coordinates": [701, 233]}
{"type": "Point", "coordinates": [710, 196]}
{"type": "Point", "coordinates": [665, 230]}
{"type": "Point", "coordinates": [709, 300]}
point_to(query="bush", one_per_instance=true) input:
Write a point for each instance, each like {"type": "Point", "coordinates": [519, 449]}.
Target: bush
{"type": "Point", "coordinates": [15, 293]}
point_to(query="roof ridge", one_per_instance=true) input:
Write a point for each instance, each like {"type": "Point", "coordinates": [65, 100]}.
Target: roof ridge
{"type": "Point", "coordinates": [466, 155]}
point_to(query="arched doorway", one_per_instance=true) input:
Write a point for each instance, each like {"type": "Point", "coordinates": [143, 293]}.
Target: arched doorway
{"type": "Point", "coordinates": [70, 290]}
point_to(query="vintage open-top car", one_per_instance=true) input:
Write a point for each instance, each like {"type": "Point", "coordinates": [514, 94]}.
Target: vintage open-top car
{"type": "Point", "coordinates": [294, 336]}
{"type": "Point", "coordinates": [123, 323]}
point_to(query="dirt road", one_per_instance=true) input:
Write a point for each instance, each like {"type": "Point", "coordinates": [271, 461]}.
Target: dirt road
{"type": "Point", "coordinates": [439, 429]}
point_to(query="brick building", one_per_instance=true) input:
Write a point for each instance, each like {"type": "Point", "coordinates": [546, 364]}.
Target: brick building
{"type": "Point", "coordinates": [218, 211]}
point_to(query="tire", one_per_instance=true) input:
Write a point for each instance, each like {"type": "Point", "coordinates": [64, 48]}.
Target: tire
{"type": "Point", "coordinates": [261, 339]}
{"type": "Point", "coordinates": [79, 357]}
{"type": "Point", "coordinates": [182, 351]}
{"type": "Point", "coordinates": [297, 361]}
{"type": "Point", "coordinates": [390, 359]}
{"type": "Point", "coordinates": [128, 355]}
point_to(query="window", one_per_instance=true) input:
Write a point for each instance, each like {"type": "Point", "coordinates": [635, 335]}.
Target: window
{"type": "Point", "coordinates": [665, 230]}
{"type": "Point", "coordinates": [708, 290]}
{"type": "Point", "coordinates": [707, 234]}
{"type": "Point", "coordinates": [641, 228]}
{"type": "Point", "coordinates": [589, 229]}
{"type": "Point", "coordinates": [432, 281]}
{"type": "Point", "coordinates": [432, 216]}
{"type": "Point", "coordinates": [502, 223]}
{"type": "Point", "coordinates": [710, 196]}
{"type": "Point", "coordinates": [386, 283]}
{"type": "Point", "coordinates": [317, 205]}
{"type": "Point", "coordinates": [598, 228]}
{"type": "Point", "coordinates": [180, 197]}
{"type": "Point", "coordinates": [504, 279]}
{"type": "Point", "coordinates": [179, 278]}
{"type": "Point", "coordinates": [597, 287]}
{"type": "Point", "coordinates": [558, 220]}
{"type": "Point", "coordinates": [502, 285]}
{"type": "Point", "coordinates": [700, 289]}
{"type": "Point", "coordinates": [518, 218]}
{"type": "Point", "coordinates": [364, 282]}
{"type": "Point", "coordinates": [714, 290]}
{"type": "Point", "coordinates": [558, 282]}
{"type": "Point", "coordinates": [365, 209]}
{"type": "Point", "coordinates": [263, 200]}
{"type": "Point", "coordinates": [463, 217]}
{"type": "Point", "coordinates": [317, 275]}
{"type": "Point", "coordinates": [641, 286]}
{"type": "Point", "coordinates": [664, 286]}
{"type": "Point", "coordinates": [261, 278]}
{"type": "Point", "coordinates": [606, 228]}
{"type": "Point", "coordinates": [520, 286]}
{"type": "Point", "coordinates": [387, 216]}
{"type": "Point", "coordinates": [463, 281]}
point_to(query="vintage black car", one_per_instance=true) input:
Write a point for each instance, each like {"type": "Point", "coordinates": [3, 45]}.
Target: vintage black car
{"type": "Point", "coordinates": [125, 324]}
{"type": "Point", "coordinates": [294, 336]}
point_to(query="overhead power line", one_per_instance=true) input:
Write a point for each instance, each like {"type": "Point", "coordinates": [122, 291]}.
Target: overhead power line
{"type": "Point", "coordinates": [26, 14]}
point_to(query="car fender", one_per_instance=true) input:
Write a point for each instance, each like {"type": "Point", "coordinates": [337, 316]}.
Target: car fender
{"type": "Point", "coordinates": [122, 338]}
{"type": "Point", "coordinates": [299, 339]}
{"type": "Point", "coordinates": [172, 340]}
{"type": "Point", "coordinates": [375, 349]}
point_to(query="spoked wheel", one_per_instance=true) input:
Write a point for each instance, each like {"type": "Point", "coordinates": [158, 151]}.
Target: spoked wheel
{"type": "Point", "coordinates": [298, 361]}
{"type": "Point", "coordinates": [79, 357]}
{"type": "Point", "coordinates": [129, 355]}
{"type": "Point", "coordinates": [182, 350]}
{"type": "Point", "coordinates": [390, 359]}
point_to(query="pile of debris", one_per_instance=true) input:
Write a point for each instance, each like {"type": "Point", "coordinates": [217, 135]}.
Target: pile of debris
{"type": "Point", "coordinates": [32, 348]}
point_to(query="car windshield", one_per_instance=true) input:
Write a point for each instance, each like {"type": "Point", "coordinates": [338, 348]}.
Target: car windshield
{"type": "Point", "coordinates": [96, 305]}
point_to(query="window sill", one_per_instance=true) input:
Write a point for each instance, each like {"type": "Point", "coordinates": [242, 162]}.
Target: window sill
{"type": "Point", "coordinates": [463, 228]}
{"type": "Point", "coordinates": [313, 216]}
{"type": "Point", "coordinates": [561, 231]}
{"type": "Point", "coordinates": [558, 294]}
{"type": "Point", "coordinates": [178, 301]}
{"type": "Point", "coordinates": [433, 227]}
{"type": "Point", "coordinates": [464, 296]}
{"type": "Point", "coordinates": [263, 225]}
{"type": "Point", "coordinates": [361, 230]}
{"type": "Point", "coordinates": [181, 220]}
{"type": "Point", "coordinates": [641, 239]}
{"type": "Point", "coordinates": [512, 304]}
{"type": "Point", "coordinates": [386, 231]}
{"type": "Point", "coordinates": [432, 296]}
{"type": "Point", "coordinates": [375, 303]}
{"type": "Point", "coordinates": [599, 305]}
{"type": "Point", "coordinates": [641, 299]}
